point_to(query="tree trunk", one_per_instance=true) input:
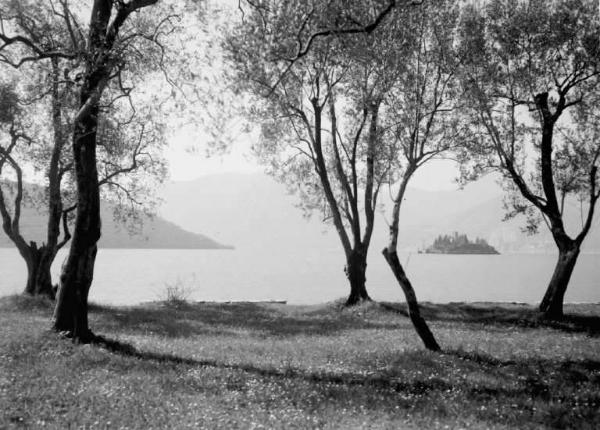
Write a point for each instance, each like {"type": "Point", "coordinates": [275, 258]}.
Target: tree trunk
{"type": "Point", "coordinates": [70, 314]}
{"type": "Point", "coordinates": [32, 262]}
{"type": "Point", "coordinates": [39, 278]}
{"type": "Point", "coordinates": [411, 301]}
{"type": "Point", "coordinates": [552, 303]}
{"type": "Point", "coordinates": [356, 268]}
{"type": "Point", "coordinates": [43, 280]}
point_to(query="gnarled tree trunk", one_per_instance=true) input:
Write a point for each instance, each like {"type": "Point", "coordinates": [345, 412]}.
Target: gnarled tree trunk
{"type": "Point", "coordinates": [356, 268]}
{"type": "Point", "coordinates": [43, 276]}
{"type": "Point", "coordinates": [71, 312]}
{"type": "Point", "coordinates": [411, 301]}
{"type": "Point", "coordinates": [552, 303]}
{"type": "Point", "coordinates": [31, 261]}
{"type": "Point", "coordinates": [39, 278]}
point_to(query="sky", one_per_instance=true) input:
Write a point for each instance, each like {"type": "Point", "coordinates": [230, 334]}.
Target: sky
{"type": "Point", "coordinates": [188, 159]}
{"type": "Point", "coordinates": [188, 162]}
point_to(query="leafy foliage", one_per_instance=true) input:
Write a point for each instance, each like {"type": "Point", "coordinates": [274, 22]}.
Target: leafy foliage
{"type": "Point", "coordinates": [132, 133]}
{"type": "Point", "coordinates": [282, 98]}
{"type": "Point", "coordinates": [529, 64]}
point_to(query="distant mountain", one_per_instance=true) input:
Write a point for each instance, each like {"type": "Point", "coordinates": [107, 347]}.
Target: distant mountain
{"type": "Point", "coordinates": [152, 233]}
{"type": "Point", "coordinates": [246, 211]}
{"type": "Point", "coordinates": [155, 233]}
{"type": "Point", "coordinates": [252, 210]}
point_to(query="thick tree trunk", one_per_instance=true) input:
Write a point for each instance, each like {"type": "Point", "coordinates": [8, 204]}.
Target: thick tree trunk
{"type": "Point", "coordinates": [43, 281]}
{"type": "Point", "coordinates": [411, 301]}
{"type": "Point", "coordinates": [70, 314]}
{"type": "Point", "coordinates": [31, 260]}
{"type": "Point", "coordinates": [356, 268]}
{"type": "Point", "coordinates": [552, 303]}
{"type": "Point", "coordinates": [39, 278]}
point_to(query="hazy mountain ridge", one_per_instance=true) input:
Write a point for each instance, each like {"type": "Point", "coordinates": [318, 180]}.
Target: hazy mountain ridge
{"type": "Point", "coordinates": [153, 232]}
{"type": "Point", "coordinates": [253, 210]}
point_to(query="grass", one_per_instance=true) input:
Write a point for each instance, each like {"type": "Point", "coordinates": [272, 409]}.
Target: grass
{"type": "Point", "coordinates": [245, 365]}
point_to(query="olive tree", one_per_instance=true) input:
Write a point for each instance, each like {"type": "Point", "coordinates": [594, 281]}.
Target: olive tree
{"type": "Point", "coordinates": [531, 81]}
{"type": "Point", "coordinates": [129, 142]}
{"type": "Point", "coordinates": [319, 126]}
{"type": "Point", "coordinates": [421, 113]}
{"type": "Point", "coordinates": [98, 55]}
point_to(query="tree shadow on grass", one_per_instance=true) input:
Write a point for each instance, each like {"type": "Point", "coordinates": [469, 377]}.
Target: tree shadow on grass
{"type": "Point", "coordinates": [233, 319]}
{"type": "Point", "coordinates": [236, 319]}
{"type": "Point", "coordinates": [519, 315]}
{"type": "Point", "coordinates": [537, 391]}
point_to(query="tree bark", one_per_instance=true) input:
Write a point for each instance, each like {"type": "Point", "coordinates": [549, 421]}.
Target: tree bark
{"type": "Point", "coordinates": [552, 303]}
{"type": "Point", "coordinates": [356, 268]}
{"type": "Point", "coordinates": [43, 280]}
{"type": "Point", "coordinates": [70, 314]}
{"type": "Point", "coordinates": [568, 249]}
{"type": "Point", "coordinates": [411, 301]}
{"type": "Point", "coordinates": [39, 278]}
{"type": "Point", "coordinates": [31, 260]}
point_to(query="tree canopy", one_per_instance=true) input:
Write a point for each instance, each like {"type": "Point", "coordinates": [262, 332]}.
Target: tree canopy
{"type": "Point", "coordinates": [532, 79]}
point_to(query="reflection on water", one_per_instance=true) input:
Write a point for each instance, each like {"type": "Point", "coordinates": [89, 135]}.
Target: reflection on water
{"type": "Point", "coordinates": [129, 276]}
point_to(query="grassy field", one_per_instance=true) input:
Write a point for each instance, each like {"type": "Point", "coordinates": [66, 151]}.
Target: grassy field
{"type": "Point", "coordinates": [248, 365]}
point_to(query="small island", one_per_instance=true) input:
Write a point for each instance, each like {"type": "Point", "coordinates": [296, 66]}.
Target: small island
{"type": "Point", "coordinates": [459, 244]}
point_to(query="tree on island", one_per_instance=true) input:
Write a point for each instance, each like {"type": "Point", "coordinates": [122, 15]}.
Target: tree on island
{"type": "Point", "coordinates": [532, 81]}
{"type": "Point", "coordinates": [459, 244]}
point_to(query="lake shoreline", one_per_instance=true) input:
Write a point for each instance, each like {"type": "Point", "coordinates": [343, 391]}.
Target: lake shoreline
{"type": "Point", "coordinates": [127, 277]}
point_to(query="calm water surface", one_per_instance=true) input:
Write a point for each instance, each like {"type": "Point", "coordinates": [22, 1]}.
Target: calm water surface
{"type": "Point", "coordinates": [129, 276]}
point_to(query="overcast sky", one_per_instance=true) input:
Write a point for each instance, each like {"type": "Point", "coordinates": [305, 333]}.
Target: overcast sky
{"type": "Point", "coordinates": [188, 160]}
{"type": "Point", "coordinates": [186, 165]}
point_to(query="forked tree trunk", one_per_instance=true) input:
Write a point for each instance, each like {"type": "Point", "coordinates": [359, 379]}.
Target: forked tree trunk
{"type": "Point", "coordinates": [411, 301]}
{"type": "Point", "coordinates": [70, 314]}
{"type": "Point", "coordinates": [39, 278]}
{"type": "Point", "coordinates": [356, 268]}
{"type": "Point", "coordinates": [44, 277]}
{"type": "Point", "coordinates": [552, 303]}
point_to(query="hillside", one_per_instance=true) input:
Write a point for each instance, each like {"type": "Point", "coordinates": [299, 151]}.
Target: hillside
{"type": "Point", "coordinates": [153, 233]}
{"type": "Point", "coordinates": [252, 210]}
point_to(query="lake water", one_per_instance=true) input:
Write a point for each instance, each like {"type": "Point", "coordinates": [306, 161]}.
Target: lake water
{"type": "Point", "coordinates": [129, 276]}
